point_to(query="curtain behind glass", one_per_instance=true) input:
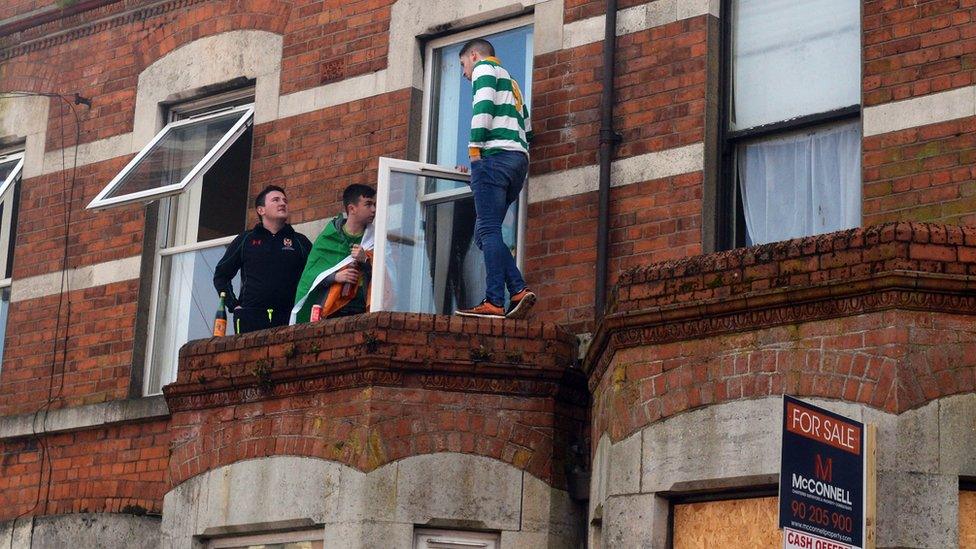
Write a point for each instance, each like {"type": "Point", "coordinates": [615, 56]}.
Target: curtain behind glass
{"type": "Point", "coordinates": [801, 184]}
{"type": "Point", "coordinates": [793, 58]}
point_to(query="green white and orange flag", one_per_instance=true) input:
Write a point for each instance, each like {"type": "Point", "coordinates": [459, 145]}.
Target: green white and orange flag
{"type": "Point", "coordinates": [329, 254]}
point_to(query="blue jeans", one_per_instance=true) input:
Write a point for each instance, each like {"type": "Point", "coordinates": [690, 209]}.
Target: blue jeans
{"type": "Point", "coordinates": [496, 182]}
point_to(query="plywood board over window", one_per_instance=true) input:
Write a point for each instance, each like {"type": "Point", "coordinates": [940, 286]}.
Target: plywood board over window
{"type": "Point", "coordinates": [967, 519]}
{"type": "Point", "coordinates": [727, 523]}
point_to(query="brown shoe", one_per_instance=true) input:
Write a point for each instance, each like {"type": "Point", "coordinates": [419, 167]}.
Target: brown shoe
{"type": "Point", "coordinates": [485, 309]}
{"type": "Point", "coordinates": [520, 304]}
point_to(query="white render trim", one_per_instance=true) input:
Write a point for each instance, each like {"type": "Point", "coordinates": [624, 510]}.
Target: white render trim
{"type": "Point", "coordinates": [79, 278]}
{"type": "Point", "coordinates": [920, 111]}
{"type": "Point", "coordinates": [627, 171]}
{"type": "Point", "coordinates": [82, 417]}
{"type": "Point", "coordinates": [26, 117]}
{"type": "Point", "coordinates": [636, 19]}
{"type": "Point", "coordinates": [88, 153]}
{"type": "Point", "coordinates": [336, 93]}
{"type": "Point", "coordinates": [205, 62]}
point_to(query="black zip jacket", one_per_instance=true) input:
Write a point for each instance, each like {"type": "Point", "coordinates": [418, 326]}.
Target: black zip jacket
{"type": "Point", "coordinates": [270, 267]}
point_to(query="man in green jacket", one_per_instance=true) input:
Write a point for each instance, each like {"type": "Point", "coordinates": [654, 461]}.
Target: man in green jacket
{"type": "Point", "coordinates": [338, 269]}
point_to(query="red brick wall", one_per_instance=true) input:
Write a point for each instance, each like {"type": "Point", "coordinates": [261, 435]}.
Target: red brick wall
{"type": "Point", "coordinates": [659, 91]}
{"type": "Point", "coordinates": [323, 42]}
{"type": "Point", "coordinates": [922, 174]}
{"type": "Point", "coordinates": [650, 221]}
{"type": "Point", "coordinates": [892, 361]}
{"type": "Point", "coordinates": [876, 316]}
{"type": "Point", "coordinates": [315, 156]}
{"type": "Point", "coordinates": [333, 40]}
{"type": "Point", "coordinates": [917, 48]}
{"type": "Point", "coordinates": [95, 367]}
{"type": "Point", "coordinates": [11, 8]}
{"type": "Point", "coordinates": [93, 237]}
{"type": "Point", "coordinates": [118, 468]}
{"type": "Point", "coordinates": [366, 391]}
{"type": "Point", "coordinates": [574, 10]}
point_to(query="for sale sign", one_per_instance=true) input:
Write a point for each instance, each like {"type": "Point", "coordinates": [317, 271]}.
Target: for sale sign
{"type": "Point", "coordinates": [822, 482]}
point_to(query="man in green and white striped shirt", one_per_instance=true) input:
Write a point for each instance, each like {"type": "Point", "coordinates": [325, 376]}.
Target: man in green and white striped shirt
{"type": "Point", "coordinates": [499, 151]}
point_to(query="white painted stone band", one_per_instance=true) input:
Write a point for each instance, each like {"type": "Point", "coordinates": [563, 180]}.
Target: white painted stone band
{"type": "Point", "coordinates": [636, 19]}
{"type": "Point", "coordinates": [80, 278]}
{"type": "Point", "coordinates": [920, 111]}
{"type": "Point", "coordinates": [83, 417]}
{"type": "Point", "coordinates": [627, 171]}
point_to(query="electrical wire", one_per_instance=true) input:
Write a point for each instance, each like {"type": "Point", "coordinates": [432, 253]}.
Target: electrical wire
{"type": "Point", "coordinates": [69, 189]}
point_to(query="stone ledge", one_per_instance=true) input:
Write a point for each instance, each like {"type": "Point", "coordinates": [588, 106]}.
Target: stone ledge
{"type": "Point", "coordinates": [83, 417]}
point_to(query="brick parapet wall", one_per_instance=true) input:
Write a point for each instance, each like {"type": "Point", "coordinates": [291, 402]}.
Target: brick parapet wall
{"type": "Point", "coordinates": [879, 316]}
{"type": "Point", "coordinates": [912, 49]}
{"type": "Point", "coordinates": [369, 390]}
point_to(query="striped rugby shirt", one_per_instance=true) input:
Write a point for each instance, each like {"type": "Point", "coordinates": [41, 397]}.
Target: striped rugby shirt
{"type": "Point", "coordinates": [499, 119]}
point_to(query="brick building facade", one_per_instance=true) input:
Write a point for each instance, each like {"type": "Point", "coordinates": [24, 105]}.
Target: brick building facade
{"type": "Point", "coordinates": [846, 281]}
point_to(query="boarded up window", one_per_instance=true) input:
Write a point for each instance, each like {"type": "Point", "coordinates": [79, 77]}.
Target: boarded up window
{"type": "Point", "coordinates": [967, 519]}
{"type": "Point", "coordinates": [729, 523]}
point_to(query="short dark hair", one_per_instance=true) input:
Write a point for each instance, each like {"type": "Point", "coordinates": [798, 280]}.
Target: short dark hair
{"type": "Point", "coordinates": [259, 199]}
{"type": "Point", "coordinates": [479, 45]}
{"type": "Point", "coordinates": [354, 192]}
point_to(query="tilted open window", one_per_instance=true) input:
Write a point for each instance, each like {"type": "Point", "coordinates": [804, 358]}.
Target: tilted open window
{"type": "Point", "coordinates": [175, 157]}
{"type": "Point", "coordinates": [198, 167]}
{"type": "Point", "coordinates": [11, 166]}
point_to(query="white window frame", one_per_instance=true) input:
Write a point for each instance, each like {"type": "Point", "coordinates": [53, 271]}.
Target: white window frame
{"type": "Point", "coordinates": [182, 226]}
{"type": "Point", "coordinates": [266, 539]}
{"type": "Point", "coordinates": [390, 165]}
{"type": "Point", "coordinates": [247, 116]}
{"type": "Point", "coordinates": [464, 36]}
{"type": "Point", "coordinates": [454, 539]}
{"type": "Point", "coordinates": [5, 184]}
{"type": "Point", "coordinates": [5, 228]}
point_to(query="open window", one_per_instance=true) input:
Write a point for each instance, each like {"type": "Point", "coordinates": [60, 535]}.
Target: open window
{"type": "Point", "coordinates": [198, 168]}
{"type": "Point", "coordinates": [11, 165]}
{"type": "Point", "coordinates": [425, 224]}
{"type": "Point", "coordinates": [792, 129]}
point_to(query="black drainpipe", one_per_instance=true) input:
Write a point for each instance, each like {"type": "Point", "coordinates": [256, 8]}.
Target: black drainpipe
{"type": "Point", "coordinates": [608, 138]}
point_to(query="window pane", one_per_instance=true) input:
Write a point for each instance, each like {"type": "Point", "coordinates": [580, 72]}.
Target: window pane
{"type": "Point", "coordinates": [7, 167]}
{"type": "Point", "coordinates": [450, 117]}
{"type": "Point", "coordinates": [181, 148]}
{"type": "Point", "coordinates": [185, 307]}
{"type": "Point", "coordinates": [434, 265]}
{"type": "Point", "coordinates": [4, 310]}
{"type": "Point", "coordinates": [792, 59]}
{"type": "Point", "coordinates": [224, 200]}
{"type": "Point", "coordinates": [802, 183]}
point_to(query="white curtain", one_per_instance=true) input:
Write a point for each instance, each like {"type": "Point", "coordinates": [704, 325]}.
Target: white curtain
{"type": "Point", "coordinates": [801, 184]}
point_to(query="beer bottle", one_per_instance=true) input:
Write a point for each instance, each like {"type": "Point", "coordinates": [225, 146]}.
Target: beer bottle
{"type": "Point", "coordinates": [220, 319]}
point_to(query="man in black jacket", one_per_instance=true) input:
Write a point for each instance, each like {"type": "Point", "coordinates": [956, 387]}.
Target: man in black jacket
{"type": "Point", "coordinates": [270, 257]}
